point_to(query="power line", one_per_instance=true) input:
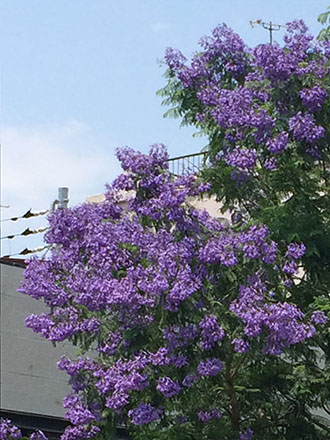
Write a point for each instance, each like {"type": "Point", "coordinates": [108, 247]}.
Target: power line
{"type": "Point", "coordinates": [28, 214]}
{"type": "Point", "coordinates": [27, 251]}
{"type": "Point", "coordinates": [60, 203]}
{"type": "Point", "coordinates": [27, 231]}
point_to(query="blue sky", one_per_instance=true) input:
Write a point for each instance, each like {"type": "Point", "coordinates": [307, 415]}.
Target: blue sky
{"type": "Point", "coordinates": [79, 77]}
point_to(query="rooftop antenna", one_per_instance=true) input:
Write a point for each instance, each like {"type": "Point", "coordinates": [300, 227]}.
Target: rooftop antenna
{"type": "Point", "coordinates": [270, 26]}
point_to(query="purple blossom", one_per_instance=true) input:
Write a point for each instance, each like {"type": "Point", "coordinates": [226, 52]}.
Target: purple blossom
{"type": "Point", "coordinates": [319, 317]}
{"type": "Point", "coordinates": [313, 98]}
{"type": "Point", "coordinates": [168, 387]}
{"type": "Point", "coordinates": [269, 251]}
{"type": "Point", "coordinates": [179, 337]}
{"type": "Point", "coordinates": [8, 430]}
{"type": "Point", "coordinates": [80, 432]}
{"type": "Point", "coordinates": [297, 39]}
{"type": "Point", "coordinates": [190, 379]}
{"type": "Point", "coordinates": [211, 332]}
{"type": "Point", "coordinates": [271, 164]}
{"type": "Point", "coordinates": [143, 414]}
{"type": "Point", "coordinates": [242, 158]}
{"type": "Point", "coordinates": [290, 267]}
{"type": "Point", "coordinates": [296, 250]}
{"type": "Point", "coordinates": [283, 321]}
{"type": "Point", "coordinates": [204, 187]}
{"type": "Point", "coordinates": [161, 357]}
{"type": "Point", "coordinates": [246, 435]}
{"type": "Point", "coordinates": [207, 416]}
{"type": "Point", "coordinates": [78, 414]}
{"type": "Point", "coordinates": [179, 361]}
{"type": "Point", "coordinates": [278, 144]}
{"type": "Point", "coordinates": [240, 346]}
{"type": "Point", "coordinates": [38, 435]}
{"type": "Point", "coordinates": [233, 106]}
{"type": "Point", "coordinates": [117, 400]}
{"type": "Point", "coordinates": [275, 63]}
{"type": "Point", "coordinates": [210, 367]}
{"type": "Point", "coordinates": [251, 251]}
{"type": "Point", "coordinates": [125, 182]}
{"type": "Point", "coordinates": [304, 128]}
{"type": "Point", "coordinates": [174, 58]}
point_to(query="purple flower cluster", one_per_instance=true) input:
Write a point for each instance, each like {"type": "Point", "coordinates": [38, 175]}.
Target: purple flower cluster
{"type": "Point", "coordinates": [242, 158]}
{"type": "Point", "coordinates": [273, 62]}
{"type": "Point", "coordinates": [207, 416]}
{"type": "Point", "coordinates": [227, 248]}
{"type": "Point", "coordinates": [210, 367]}
{"type": "Point", "coordinates": [168, 387]}
{"type": "Point", "coordinates": [224, 45]}
{"type": "Point", "coordinates": [8, 430]}
{"type": "Point", "coordinates": [271, 164]}
{"type": "Point", "coordinates": [77, 413]}
{"type": "Point", "coordinates": [246, 435]}
{"type": "Point", "coordinates": [241, 346]}
{"type": "Point", "coordinates": [233, 109]}
{"type": "Point", "coordinates": [211, 332]}
{"type": "Point", "coordinates": [38, 435]}
{"type": "Point", "coordinates": [304, 128]}
{"type": "Point", "coordinates": [190, 379]}
{"type": "Point", "coordinates": [277, 144]}
{"type": "Point", "coordinates": [290, 267]}
{"type": "Point", "coordinates": [296, 250]}
{"type": "Point", "coordinates": [80, 432]}
{"type": "Point", "coordinates": [313, 98]}
{"type": "Point", "coordinates": [144, 413]}
{"type": "Point", "coordinates": [319, 317]}
{"type": "Point", "coordinates": [178, 337]}
{"type": "Point", "coordinates": [283, 322]}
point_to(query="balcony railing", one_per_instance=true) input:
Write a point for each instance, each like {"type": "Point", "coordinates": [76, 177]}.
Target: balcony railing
{"type": "Point", "coordinates": [188, 164]}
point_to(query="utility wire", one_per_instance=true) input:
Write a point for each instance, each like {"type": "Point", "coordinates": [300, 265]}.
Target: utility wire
{"type": "Point", "coordinates": [28, 214]}
{"type": "Point", "coordinates": [27, 231]}
{"type": "Point", "coordinates": [27, 251]}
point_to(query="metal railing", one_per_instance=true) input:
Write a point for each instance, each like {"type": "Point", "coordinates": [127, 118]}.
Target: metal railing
{"type": "Point", "coordinates": [188, 164]}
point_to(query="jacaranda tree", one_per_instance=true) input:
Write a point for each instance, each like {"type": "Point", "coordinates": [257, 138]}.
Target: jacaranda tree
{"type": "Point", "coordinates": [190, 328]}
{"type": "Point", "coordinates": [266, 114]}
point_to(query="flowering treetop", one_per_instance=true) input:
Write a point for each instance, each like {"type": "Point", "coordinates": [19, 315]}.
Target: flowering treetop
{"type": "Point", "coordinates": [179, 310]}
{"type": "Point", "coordinates": [265, 112]}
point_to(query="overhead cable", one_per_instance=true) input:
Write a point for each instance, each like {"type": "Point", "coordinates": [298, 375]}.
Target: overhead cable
{"type": "Point", "coordinates": [27, 231]}
{"type": "Point", "coordinates": [27, 251]}
{"type": "Point", "coordinates": [28, 214]}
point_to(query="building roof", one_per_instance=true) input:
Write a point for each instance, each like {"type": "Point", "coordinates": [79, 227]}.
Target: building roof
{"type": "Point", "coordinates": [17, 262]}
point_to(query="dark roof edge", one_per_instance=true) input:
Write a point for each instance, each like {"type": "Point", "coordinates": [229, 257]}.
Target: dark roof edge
{"type": "Point", "coordinates": [16, 262]}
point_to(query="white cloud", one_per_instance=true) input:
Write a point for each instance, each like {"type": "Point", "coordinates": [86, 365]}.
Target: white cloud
{"type": "Point", "coordinates": [35, 161]}
{"type": "Point", "coordinates": [159, 26]}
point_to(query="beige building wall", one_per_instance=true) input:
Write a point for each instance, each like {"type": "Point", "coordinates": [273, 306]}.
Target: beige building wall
{"type": "Point", "coordinates": [206, 203]}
